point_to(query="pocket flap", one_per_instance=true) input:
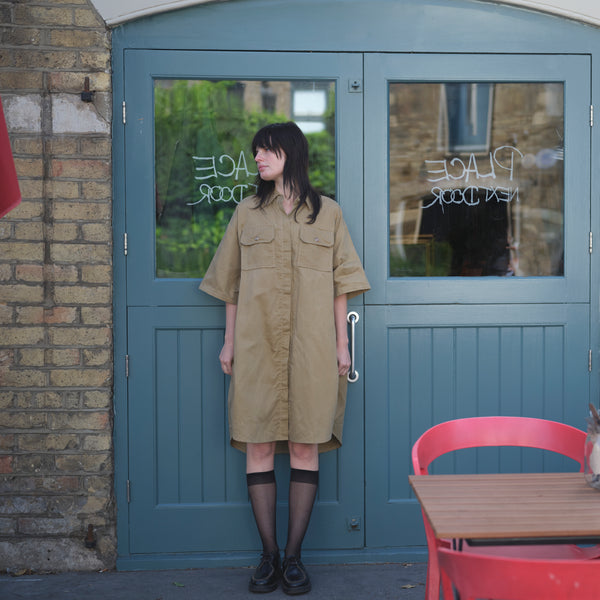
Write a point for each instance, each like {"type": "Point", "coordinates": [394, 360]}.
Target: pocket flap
{"type": "Point", "coordinates": [252, 235]}
{"type": "Point", "coordinates": [319, 237]}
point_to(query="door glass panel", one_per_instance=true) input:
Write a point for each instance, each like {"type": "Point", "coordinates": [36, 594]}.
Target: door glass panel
{"type": "Point", "coordinates": [476, 179]}
{"type": "Point", "coordinates": [203, 158]}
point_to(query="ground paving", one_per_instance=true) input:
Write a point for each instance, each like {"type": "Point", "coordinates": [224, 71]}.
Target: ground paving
{"type": "Point", "coordinates": [397, 581]}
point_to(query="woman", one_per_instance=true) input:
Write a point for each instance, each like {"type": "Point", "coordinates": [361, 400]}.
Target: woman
{"type": "Point", "coordinates": [285, 269]}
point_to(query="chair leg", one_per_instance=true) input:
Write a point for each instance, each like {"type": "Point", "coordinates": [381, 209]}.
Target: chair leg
{"type": "Point", "coordinates": [432, 583]}
{"type": "Point", "coordinates": [447, 589]}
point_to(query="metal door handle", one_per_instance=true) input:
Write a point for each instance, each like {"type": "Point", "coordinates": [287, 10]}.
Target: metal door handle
{"type": "Point", "coordinates": [353, 320]}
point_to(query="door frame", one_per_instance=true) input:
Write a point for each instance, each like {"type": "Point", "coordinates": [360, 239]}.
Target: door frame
{"type": "Point", "coordinates": [575, 71]}
{"type": "Point", "coordinates": [403, 27]}
{"type": "Point", "coordinates": [146, 65]}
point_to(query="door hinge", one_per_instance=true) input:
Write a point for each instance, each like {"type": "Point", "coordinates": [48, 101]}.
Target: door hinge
{"type": "Point", "coordinates": [125, 244]}
{"type": "Point", "coordinates": [590, 360]}
{"type": "Point", "coordinates": [591, 242]}
{"type": "Point", "coordinates": [128, 491]}
{"type": "Point", "coordinates": [127, 365]}
{"type": "Point", "coordinates": [591, 115]}
{"type": "Point", "coordinates": [124, 107]}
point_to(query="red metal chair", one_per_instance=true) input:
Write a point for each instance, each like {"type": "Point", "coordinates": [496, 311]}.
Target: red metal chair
{"type": "Point", "coordinates": [479, 432]}
{"type": "Point", "coordinates": [502, 578]}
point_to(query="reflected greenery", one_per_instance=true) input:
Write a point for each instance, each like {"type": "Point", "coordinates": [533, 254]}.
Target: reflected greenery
{"type": "Point", "coordinates": [204, 165]}
{"type": "Point", "coordinates": [432, 259]}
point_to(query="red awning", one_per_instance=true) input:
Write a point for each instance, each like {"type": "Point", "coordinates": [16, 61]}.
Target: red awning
{"type": "Point", "coordinates": [10, 194]}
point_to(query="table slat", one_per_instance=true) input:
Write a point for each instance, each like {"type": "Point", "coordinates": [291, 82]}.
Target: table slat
{"type": "Point", "coordinates": [515, 506]}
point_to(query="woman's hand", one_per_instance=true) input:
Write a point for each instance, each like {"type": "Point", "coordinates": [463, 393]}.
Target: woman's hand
{"type": "Point", "coordinates": [226, 354]}
{"type": "Point", "coordinates": [343, 359]}
{"type": "Point", "coordinates": [226, 357]}
{"type": "Point", "coordinates": [340, 308]}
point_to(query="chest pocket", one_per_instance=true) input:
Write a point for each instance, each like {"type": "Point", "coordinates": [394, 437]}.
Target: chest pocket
{"type": "Point", "coordinates": [316, 248]}
{"type": "Point", "coordinates": [258, 248]}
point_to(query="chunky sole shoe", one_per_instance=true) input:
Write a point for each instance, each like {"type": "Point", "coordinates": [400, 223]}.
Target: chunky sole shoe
{"type": "Point", "coordinates": [294, 579]}
{"type": "Point", "coordinates": [267, 575]}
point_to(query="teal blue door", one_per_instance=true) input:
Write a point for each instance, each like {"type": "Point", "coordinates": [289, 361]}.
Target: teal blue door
{"type": "Point", "coordinates": [187, 492]}
{"type": "Point", "coordinates": [465, 183]}
{"type": "Point", "coordinates": [477, 245]}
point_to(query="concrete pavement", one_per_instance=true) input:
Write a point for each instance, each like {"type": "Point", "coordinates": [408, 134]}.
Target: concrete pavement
{"type": "Point", "coordinates": [397, 581]}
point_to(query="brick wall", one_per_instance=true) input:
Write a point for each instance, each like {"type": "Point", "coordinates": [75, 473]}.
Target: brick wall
{"type": "Point", "coordinates": [56, 463]}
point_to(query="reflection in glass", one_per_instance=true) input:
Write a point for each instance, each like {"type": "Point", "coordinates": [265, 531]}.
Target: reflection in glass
{"type": "Point", "coordinates": [476, 179]}
{"type": "Point", "coordinates": [203, 158]}
{"type": "Point", "coordinates": [309, 105]}
{"type": "Point", "coordinates": [467, 111]}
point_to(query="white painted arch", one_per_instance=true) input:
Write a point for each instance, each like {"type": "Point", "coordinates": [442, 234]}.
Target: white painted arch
{"type": "Point", "coordinates": [115, 12]}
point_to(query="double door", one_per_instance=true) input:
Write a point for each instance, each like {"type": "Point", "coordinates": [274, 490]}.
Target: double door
{"type": "Point", "coordinates": [469, 206]}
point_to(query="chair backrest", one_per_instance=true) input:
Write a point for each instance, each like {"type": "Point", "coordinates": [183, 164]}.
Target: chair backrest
{"type": "Point", "coordinates": [475, 432]}
{"type": "Point", "coordinates": [503, 578]}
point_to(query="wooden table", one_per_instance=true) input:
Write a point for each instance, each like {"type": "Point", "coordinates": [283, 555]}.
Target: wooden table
{"type": "Point", "coordinates": [511, 508]}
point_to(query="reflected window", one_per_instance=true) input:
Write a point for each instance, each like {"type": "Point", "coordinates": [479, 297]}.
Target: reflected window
{"type": "Point", "coordinates": [466, 111]}
{"type": "Point", "coordinates": [203, 158]}
{"type": "Point", "coordinates": [309, 105]}
{"type": "Point", "coordinates": [476, 179]}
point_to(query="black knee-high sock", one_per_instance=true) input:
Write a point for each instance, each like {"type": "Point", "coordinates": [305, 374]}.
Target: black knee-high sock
{"type": "Point", "coordinates": [262, 489]}
{"type": "Point", "coordinates": [303, 491]}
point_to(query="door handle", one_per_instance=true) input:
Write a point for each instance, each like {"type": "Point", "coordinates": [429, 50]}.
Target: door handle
{"type": "Point", "coordinates": [353, 320]}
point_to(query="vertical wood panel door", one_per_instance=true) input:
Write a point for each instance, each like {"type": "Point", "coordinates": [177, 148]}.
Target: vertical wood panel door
{"type": "Point", "coordinates": [478, 257]}
{"type": "Point", "coordinates": [190, 118]}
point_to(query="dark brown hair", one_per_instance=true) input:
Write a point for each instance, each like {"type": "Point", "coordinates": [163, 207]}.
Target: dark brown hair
{"type": "Point", "coordinates": [289, 139]}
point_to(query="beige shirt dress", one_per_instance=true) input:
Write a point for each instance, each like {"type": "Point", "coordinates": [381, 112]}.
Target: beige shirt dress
{"type": "Point", "coordinates": [283, 275]}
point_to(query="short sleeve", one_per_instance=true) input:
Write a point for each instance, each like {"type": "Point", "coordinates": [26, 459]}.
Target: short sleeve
{"type": "Point", "coordinates": [348, 275]}
{"type": "Point", "coordinates": [222, 279]}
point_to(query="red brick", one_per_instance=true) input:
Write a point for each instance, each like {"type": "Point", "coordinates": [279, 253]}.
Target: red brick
{"type": "Point", "coordinates": [6, 464]}
{"type": "Point", "coordinates": [81, 169]}
{"type": "Point", "coordinates": [60, 314]}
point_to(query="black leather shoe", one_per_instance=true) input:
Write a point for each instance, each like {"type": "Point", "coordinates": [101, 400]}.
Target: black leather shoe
{"type": "Point", "coordinates": [295, 579]}
{"type": "Point", "coordinates": [267, 575]}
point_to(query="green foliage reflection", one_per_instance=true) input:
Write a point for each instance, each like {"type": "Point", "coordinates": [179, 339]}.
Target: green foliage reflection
{"type": "Point", "coordinates": [204, 165]}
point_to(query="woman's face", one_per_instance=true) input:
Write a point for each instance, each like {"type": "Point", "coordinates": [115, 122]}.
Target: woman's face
{"type": "Point", "coordinates": [270, 166]}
